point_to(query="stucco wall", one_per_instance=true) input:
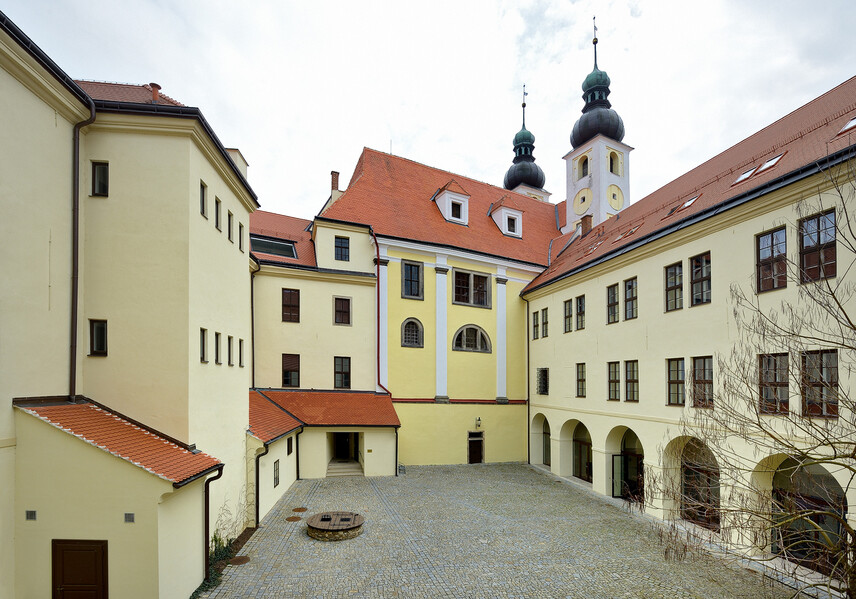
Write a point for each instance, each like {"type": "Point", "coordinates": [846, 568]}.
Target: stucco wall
{"type": "Point", "coordinates": [180, 533]}
{"type": "Point", "coordinates": [316, 450]}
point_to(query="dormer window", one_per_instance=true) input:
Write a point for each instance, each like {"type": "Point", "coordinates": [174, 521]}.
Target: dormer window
{"type": "Point", "coordinates": [508, 220]}
{"type": "Point", "coordinates": [452, 201]}
{"type": "Point", "coordinates": [276, 247]}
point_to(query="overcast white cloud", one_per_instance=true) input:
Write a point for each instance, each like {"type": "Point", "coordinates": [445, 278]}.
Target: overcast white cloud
{"type": "Point", "coordinates": [301, 87]}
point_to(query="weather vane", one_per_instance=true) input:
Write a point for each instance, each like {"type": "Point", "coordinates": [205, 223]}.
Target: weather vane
{"type": "Point", "coordinates": [594, 41]}
{"type": "Point", "coordinates": [525, 93]}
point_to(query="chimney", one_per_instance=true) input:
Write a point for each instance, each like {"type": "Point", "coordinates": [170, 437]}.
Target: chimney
{"type": "Point", "coordinates": [155, 95]}
{"type": "Point", "coordinates": [334, 183]}
{"type": "Point", "coordinates": [586, 224]}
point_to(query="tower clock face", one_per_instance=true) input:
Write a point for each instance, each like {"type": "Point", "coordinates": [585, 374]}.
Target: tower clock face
{"type": "Point", "coordinates": [615, 197]}
{"type": "Point", "coordinates": [582, 201]}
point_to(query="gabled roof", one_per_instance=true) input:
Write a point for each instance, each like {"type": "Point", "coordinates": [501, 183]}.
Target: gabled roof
{"type": "Point", "coordinates": [336, 408]}
{"type": "Point", "coordinates": [289, 228]}
{"type": "Point", "coordinates": [269, 421]}
{"type": "Point", "coordinates": [393, 195]}
{"type": "Point", "coordinates": [124, 92]}
{"type": "Point", "coordinates": [803, 138]}
{"type": "Point", "coordinates": [124, 439]}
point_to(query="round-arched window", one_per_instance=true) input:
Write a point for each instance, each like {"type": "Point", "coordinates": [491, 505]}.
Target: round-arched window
{"type": "Point", "coordinates": [411, 333]}
{"type": "Point", "coordinates": [471, 338]}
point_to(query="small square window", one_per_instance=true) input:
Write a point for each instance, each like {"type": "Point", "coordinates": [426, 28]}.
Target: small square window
{"type": "Point", "coordinates": [129, 517]}
{"type": "Point", "coordinates": [30, 514]}
{"type": "Point", "coordinates": [100, 178]}
{"type": "Point", "coordinates": [97, 337]}
{"type": "Point", "coordinates": [343, 249]}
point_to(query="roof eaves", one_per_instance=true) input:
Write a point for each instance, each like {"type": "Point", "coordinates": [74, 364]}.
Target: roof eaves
{"type": "Point", "coordinates": [463, 249]}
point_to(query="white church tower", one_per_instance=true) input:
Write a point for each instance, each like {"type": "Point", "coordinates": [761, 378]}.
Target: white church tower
{"type": "Point", "coordinates": [598, 167]}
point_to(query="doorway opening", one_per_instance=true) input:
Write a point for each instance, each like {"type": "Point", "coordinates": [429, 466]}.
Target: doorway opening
{"type": "Point", "coordinates": [346, 454]}
{"type": "Point", "coordinates": [475, 448]}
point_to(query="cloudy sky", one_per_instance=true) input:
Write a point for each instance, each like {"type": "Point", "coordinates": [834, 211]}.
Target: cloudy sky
{"type": "Point", "coordinates": [302, 87]}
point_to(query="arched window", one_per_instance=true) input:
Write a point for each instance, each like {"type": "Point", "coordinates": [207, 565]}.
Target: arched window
{"type": "Point", "coordinates": [584, 167]}
{"type": "Point", "coordinates": [613, 163]}
{"type": "Point", "coordinates": [471, 338]}
{"type": "Point", "coordinates": [699, 485]}
{"type": "Point", "coordinates": [411, 333]}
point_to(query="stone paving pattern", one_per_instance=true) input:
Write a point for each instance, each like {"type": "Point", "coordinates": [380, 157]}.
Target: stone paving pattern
{"type": "Point", "coordinates": [497, 530]}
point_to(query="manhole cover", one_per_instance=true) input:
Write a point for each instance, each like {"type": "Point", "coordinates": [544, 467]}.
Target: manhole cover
{"type": "Point", "coordinates": [299, 509]}
{"type": "Point", "coordinates": [293, 519]}
{"type": "Point", "coordinates": [239, 559]}
{"type": "Point", "coordinates": [334, 526]}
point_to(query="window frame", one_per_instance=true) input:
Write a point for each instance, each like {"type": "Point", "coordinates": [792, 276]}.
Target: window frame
{"type": "Point", "coordinates": [536, 322]}
{"type": "Point", "coordinates": [702, 387]}
{"type": "Point", "coordinates": [819, 248]}
{"type": "Point", "coordinates": [342, 316]}
{"type": "Point", "coordinates": [568, 316]}
{"type": "Point", "coordinates": [218, 211]}
{"type": "Point", "coordinates": [676, 388]}
{"type": "Point", "coordinates": [229, 355]}
{"type": "Point", "coordinates": [420, 335]}
{"type": "Point", "coordinates": [341, 372]}
{"type": "Point", "coordinates": [581, 380]}
{"type": "Point", "coordinates": [612, 307]}
{"type": "Point", "coordinates": [342, 248]}
{"type": "Point", "coordinates": [276, 473]}
{"type": "Point", "coordinates": [481, 339]}
{"type": "Point", "coordinates": [203, 199]}
{"type": "Point", "coordinates": [581, 312]}
{"type": "Point", "coordinates": [631, 298]}
{"type": "Point", "coordinates": [699, 281]}
{"type": "Point", "coordinates": [406, 283]}
{"type": "Point", "coordinates": [241, 236]}
{"type": "Point", "coordinates": [95, 348]}
{"type": "Point", "coordinates": [773, 372]}
{"type": "Point", "coordinates": [631, 383]}
{"type": "Point", "coordinates": [240, 353]}
{"type": "Point", "coordinates": [544, 323]}
{"type": "Point", "coordinates": [675, 290]}
{"type": "Point", "coordinates": [294, 361]}
{"type": "Point", "coordinates": [290, 308]}
{"type": "Point", "coordinates": [778, 280]}
{"type": "Point", "coordinates": [470, 288]}
{"type": "Point", "coordinates": [203, 345]}
{"type": "Point", "coordinates": [217, 359]}
{"type": "Point", "coordinates": [542, 381]}
{"type": "Point", "coordinates": [100, 166]}
{"type": "Point", "coordinates": [613, 374]}
{"type": "Point", "coordinates": [230, 220]}
{"type": "Point", "coordinates": [828, 407]}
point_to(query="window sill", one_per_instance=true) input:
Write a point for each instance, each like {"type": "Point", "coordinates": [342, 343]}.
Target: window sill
{"type": "Point", "coordinates": [203, 361]}
{"type": "Point", "coordinates": [613, 399]}
{"type": "Point", "coordinates": [486, 307]}
{"type": "Point", "coordinates": [675, 405]}
{"type": "Point", "coordinates": [97, 355]}
{"type": "Point", "coordinates": [707, 303]}
{"type": "Point", "coordinates": [342, 324]}
{"type": "Point", "coordinates": [413, 297]}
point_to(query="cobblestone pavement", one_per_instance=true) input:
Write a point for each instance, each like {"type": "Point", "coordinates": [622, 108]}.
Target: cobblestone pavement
{"type": "Point", "coordinates": [503, 530]}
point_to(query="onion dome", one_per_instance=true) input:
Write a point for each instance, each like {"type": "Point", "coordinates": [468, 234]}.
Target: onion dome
{"type": "Point", "coordinates": [524, 170]}
{"type": "Point", "coordinates": [598, 116]}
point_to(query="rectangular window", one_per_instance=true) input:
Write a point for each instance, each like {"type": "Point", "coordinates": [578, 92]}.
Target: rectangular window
{"type": "Point", "coordinates": [631, 380]}
{"type": "Point", "coordinates": [240, 353]}
{"type": "Point", "coordinates": [674, 287]}
{"type": "Point", "coordinates": [703, 382]}
{"type": "Point", "coordinates": [569, 315]}
{"type": "Point", "coordinates": [342, 310]}
{"type": "Point", "coordinates": [229, 359]}
{"type": "Point", "coordinates": [290, 305]}
{"type": "Point", "coordinates": [472, 289]}
{"type": "Point", "coordinates": [97, 337]}
{"type": "Point", "coordinates": [820, 383]}
{"type": "Point", "coordinates": [456, 210]}
{"type": "Point", "coordinates": [677, 378]}
{"type": "Point", "coordinates": [612, 304]}
{"type": "Point", "coordinates": [511, 224]}
{"type": "Point", "coordinates": [290, 370]}
{"type": "Point", "coordinates": [100, 178]}
{"type": "Point", "coordinates": [343, 249]}
{"type": "Point", "coordinates": [203, 199]}
{"type": "Point", "coordinates": [342, 372]}
{"type": "Point", "coordinates": [217, 348]}
{"type": "Point", "coordinates": [773, 383]}
{"type": "Point", "coordinates": [771, 260]}
{"type": "Point", "coordinates": [289, 446]}
{"type": "Point", "coordinates": [543, 322]}
{"type": "Point", "coordinates": [543, 381]}
{"type": "Point", "coordinates": [203, 346]}
{"type": "Point", "coordinates": [630, 299]}
{"type": "Point", "coordinates": [217, 212]}
{"type": "Point", "coordinates": [700, 279]}
{"type": "Point", "coordinates": [229, 221]}
{"type": "Point", "coordinates": [614, 372]}
{"type": "Point", "coordinates": [411, 279]}
{"type": "Point", "coordinates": [817, 247]}
{"type": "Point", "coordinates": [581, 380]}
{"type": "Point", "coordinates": [581, 312]}
{"type": "Point", "coordinates": [241, 236]}
{"type": "Point", "coordinates": [276, 473]}
{"type": "Point", "coordinates": [535, 323]}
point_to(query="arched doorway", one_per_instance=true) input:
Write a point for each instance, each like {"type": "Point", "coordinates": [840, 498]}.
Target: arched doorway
{"type": "Point", "coordinates": [545, 443]}
{"type": "Point", "coordinates": [809, 507]}
{"type": "Point", "coordinates": [699, 485]}
{"type": "Point", "coordinates": [627, 481]}
{"type": "Point", "coordinates": [582, 453]}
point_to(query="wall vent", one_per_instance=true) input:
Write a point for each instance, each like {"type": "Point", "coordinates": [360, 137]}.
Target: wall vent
{"type": "Point", "coordinates": [31, 514]}
{"type": "Point", "coordinates": [129, 517]}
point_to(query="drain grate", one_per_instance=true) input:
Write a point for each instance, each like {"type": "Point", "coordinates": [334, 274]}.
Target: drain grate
{"type": "Point", "coordinates": [299, 509]}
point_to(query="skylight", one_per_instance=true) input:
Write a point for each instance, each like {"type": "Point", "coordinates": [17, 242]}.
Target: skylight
{"type": "Point", "coordinates": [851, 124]}
{"type": "Point", "coordinates": [628, 232]}
{"type": "Point", "coordinates": [744, 176]}
{"type": "Point", "coordinates": [593, 247]}
{"type": "Point", "coordinates": [277, 247]}
{"type": "Point", "coordinates": [689, 202]}
{"type": "Point", "coordinates": [770, 163]}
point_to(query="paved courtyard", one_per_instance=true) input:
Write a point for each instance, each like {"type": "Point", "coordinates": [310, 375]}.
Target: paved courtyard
{"type": "Point", "coordinates": [472, 531]}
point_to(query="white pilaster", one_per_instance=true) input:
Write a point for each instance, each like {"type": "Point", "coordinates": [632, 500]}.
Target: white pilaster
{"type": "Point", "coordinates": [501, 365]}
{"type": "Point", "coordinates": [383, 325]}
{"type": "Point", "coordinates": [441, 391]}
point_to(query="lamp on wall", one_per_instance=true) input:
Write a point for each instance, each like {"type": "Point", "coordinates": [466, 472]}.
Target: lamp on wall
{"type": "Point", "coordinates": [478, 422]}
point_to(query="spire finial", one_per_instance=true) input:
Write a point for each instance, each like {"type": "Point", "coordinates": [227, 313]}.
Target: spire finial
{"type": "Point", "coordinates": [525, 93]}
{"type": "Point", "coordinates": [594, 40]}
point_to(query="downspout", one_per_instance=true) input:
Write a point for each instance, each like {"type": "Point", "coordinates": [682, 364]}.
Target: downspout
{"type": "Point", "coordinates": [528, 398]}
{"type": "Point", "coordinates": [253, 334]}
{"type": "Point", "coordinates": [377, 324]}
{"type": "Point", "coordinates": [297, 454]}
{"type": "Point", "coordinates": [396, 451]}
{"type": "Point", "coordinates": [75, 246]}
{"type": "Point", "coordinates": [208, 481]}
{"type": "Point", "coordinates": [259, 457]}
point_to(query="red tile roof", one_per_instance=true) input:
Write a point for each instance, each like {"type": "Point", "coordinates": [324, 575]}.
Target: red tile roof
{"type": "Point", "coordinates": [393, 195]}
{"type": "Point", "coordinates": [124, 92]}
{"type": "Point", "coordinates": [268, 420]}
{"type": "Point", "coordinates": [337, 408]}
{"type": "Point", "coordinates": [289, 228]}
{"type": "Point", "coordinates": [804, 137]}
{"type": "Point", "coordinates": [123, 439]}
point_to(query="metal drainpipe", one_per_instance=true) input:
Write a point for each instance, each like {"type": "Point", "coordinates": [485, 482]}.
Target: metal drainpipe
{"type": "Point", "coordinates": [75, 247]}
{"type": "Point", "coordinates": [396, 451]}
{"type": "Point", "coordinates": [259, 457]}
{"type": "Point", "coordinates": [297, 454]}
{"type": "Point", "coordinates": [377, 319]}
{"type": "Point", "coordinates": [208, 481]}
{"type": "Point", "coordinates": [253, 328]}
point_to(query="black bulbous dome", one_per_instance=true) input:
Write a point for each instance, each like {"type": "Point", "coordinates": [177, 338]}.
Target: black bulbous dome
{"type": "Point", "coordinates": [599, 120]}
{"type": "Point", "coordinates": [527, 173]}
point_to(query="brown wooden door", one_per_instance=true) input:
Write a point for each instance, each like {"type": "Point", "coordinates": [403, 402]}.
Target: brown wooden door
{"type": "Point", "coordinates": [79, 569]}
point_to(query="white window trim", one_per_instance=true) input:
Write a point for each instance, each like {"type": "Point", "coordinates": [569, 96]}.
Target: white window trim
{"type": "Point", "coordinates": [444, 203]}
